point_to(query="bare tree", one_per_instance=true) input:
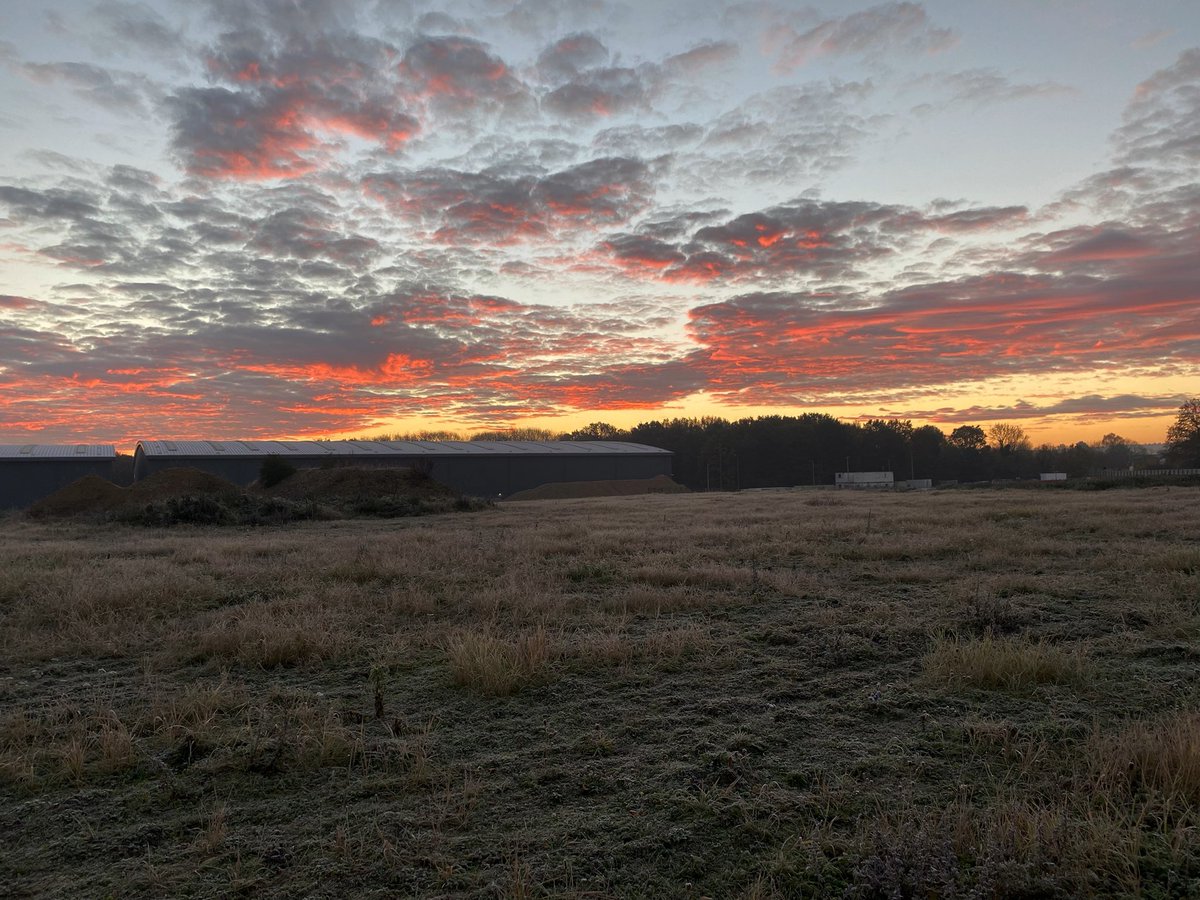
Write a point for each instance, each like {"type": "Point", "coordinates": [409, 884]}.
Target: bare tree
{"type": "Point", "coordinates": [1008, 438]}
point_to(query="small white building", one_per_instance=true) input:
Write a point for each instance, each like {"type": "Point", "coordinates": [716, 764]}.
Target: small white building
{"type": "Point", "coordinates": [1053, 476]}
{"type": "Point", "coordinates": [863, 480]}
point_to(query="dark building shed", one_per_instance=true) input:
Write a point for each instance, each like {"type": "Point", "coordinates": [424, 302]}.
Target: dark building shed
{"type": "Point", "coordinates": [479, 468]}
{"type": "Point", "coordinates": [29, 472]}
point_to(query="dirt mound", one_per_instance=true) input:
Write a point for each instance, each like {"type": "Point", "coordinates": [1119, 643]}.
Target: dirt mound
{"type": "Point", "coordinates": [179, 483]}
{"type": "Point", "coordinates": [96, 496]}
{"type": "Point", "coordinates": [90, 494]}
{"type": "Point", "coordinates": [568, 490]}
{"type": "Point", "coordinates": [357, 483]}
{"type": "Point", "coordinates": [191, 496]}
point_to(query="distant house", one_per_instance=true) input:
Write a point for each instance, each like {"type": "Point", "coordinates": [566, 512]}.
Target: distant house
{"type": "Point", "coordinates": [29, 472]}
{"type": "Point", "coordinates": [1052, 476]}
{"type": "Point", "coordinates": [863, 480]}
{"type": "Point", "coordinates": [479, 468]}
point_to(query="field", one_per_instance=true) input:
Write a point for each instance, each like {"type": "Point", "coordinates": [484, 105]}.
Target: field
{"type": "Point", "coordinates": [959, 693]}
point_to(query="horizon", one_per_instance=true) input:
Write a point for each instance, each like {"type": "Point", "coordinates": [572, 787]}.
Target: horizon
{"type": "Point", "coordinates": [269, 219]}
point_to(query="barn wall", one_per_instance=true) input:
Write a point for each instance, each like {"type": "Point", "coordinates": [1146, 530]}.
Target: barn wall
{"type": "Point", "coordinates": [26, 481]}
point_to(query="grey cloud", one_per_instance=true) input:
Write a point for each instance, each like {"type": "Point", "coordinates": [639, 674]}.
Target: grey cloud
{"type": "Point", "coordinates": [498, 206]}
{"type": "Point", "coordinates": [779, 136]}
{"type": "Point", "coordinates": [50, 204]}
{"type": "Point", "coordinates": [457, 73]}
{"type": "Point", "coordinates": [1124, 406]}
{"type": "Point", "coordinates": [130, 178]}
{"type": "Point", "coordinates": [702, 56]}
{"type": "Point", "coordinates": [441, 23]}
{"type": "Point", "coordinates": [889, 27]}
{"type": "Point", "coordinates": [641, 140]}
{"type": "Point", "coordinates": [980, 87]}
{"type": "Point", "coordinates": [125, 92]}
{"type": "Point", "coordinates": [136, 24]}
{"type": "Point", "coordinates": [283, 17]}
{"type": "Point", "coordinates": [568, 56]}
{"type": "Point", "coordinates": [598, 93]}
{"type": "Point", "coordinates": [1162, 122]}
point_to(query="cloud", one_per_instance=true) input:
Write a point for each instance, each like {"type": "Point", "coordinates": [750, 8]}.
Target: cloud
{"type": "Point", "coordinates": [1151, 38]}
{"type": "Point", "coordinates": [1095, 245]}
{"type": "Point", "coordinates": [777, 136]}
{"type": "Point", "coordinates": [134, 25]}
{"type": "Point", "coordinates": [1162, 121]}
{"type": "Point", "coordinates": [598, 93]}
{"type": "Point", "coordinates": [456, 73]}
{"type": "Point", "coordinates": [287, 107]}
{"type": "Point", "coordinates": [802, 240]}
{"type": "Point", "coordinates": [1088, 408]}
{"type": "Point", "coordinates": [888, 27]}
{"type": "Point", "coordinates": [799, 344]}
{"type": "Point", "coordinates": [703, 56]}
{"type": "Point", "coordinates": [980, 87]}
{"type": "Point", "coordinates": [501, 207]}
{"type": "Point", "coordinates": [568, 56]}
{"type": "Point", "coordinates": [125, 92]}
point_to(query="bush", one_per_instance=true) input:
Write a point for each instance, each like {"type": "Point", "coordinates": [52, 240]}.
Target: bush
{"type": "Point", "coordinates": [200, 510]}
{"type": "Point", "coordinates": [274, 470]}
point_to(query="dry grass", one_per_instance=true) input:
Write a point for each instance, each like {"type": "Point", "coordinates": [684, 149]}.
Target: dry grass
{"type": "Point", "coordinates": [722, 695]}
{"type": "Point", "coordinates": [497, 667]}
{"type": "Point", "coordinates": [1159, 758]}
{"type": "Point", "coordinates": [1004, 662]}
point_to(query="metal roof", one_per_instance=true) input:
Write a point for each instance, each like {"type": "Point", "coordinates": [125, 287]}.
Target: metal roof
{"type": "Point", "coordinates": [57, 451]}
{"type": "Point", "coordinates": [219, 449]}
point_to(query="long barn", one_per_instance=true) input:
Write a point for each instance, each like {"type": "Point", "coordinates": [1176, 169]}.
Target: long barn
{"type": "Point", "coordinates": [478, 468]}
{"type": "Point", "coordinates": [29, 472]}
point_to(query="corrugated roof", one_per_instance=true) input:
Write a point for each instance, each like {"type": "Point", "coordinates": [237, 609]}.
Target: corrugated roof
{"type": "Point", "coordinates": [57, 451]}
{"type": "Point", "coordinates": [216, 449]}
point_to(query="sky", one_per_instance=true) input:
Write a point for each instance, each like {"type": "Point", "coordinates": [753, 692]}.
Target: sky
{"type": "Point", "coordinates": [283, 219]}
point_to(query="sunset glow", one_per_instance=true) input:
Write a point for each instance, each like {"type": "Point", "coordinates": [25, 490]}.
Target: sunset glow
{"type": "Point", "coordinates": [267, 219]}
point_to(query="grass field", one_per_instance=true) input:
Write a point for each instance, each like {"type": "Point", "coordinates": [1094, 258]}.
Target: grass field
{"type": "Point", "coordinates": [961, 693]}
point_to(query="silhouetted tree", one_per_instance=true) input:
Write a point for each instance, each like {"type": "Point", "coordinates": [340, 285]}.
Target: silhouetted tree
{"type": "Point", "coordinates": [516, 434]}
{"type": "Point", "coordinates": [1183, 437]}
{"type": "Point", "coordinates": [925, 449]}
{"type": "Point", "coordinates": [1008, 438]}
{"type": "Point", "coordinates": [597, 431]}
{"type": "Point", "coordinates": [1116, 452]}
{"type": "Point", "coordinates": [967, 437]}
{"type": "Point", "coordinates": [884, 444]}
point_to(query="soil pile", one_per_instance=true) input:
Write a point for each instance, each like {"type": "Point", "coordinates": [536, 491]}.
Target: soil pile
{"type": "Point", "coordinates": [182, 482]}
{"type": "Point", "coordinates": [89, 495]}
{"type": "Point", "coordinates": [191, 496]}
{"type": "Point", "coordinates": [357, 483]}
{"type": "Point", "coordinates": [569, 490]}
{"type": "Point", "coordinates": [93, 495]}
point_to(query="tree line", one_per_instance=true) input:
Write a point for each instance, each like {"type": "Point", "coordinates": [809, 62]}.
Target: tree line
{"type": "Point", "coordinates": [772, 451]}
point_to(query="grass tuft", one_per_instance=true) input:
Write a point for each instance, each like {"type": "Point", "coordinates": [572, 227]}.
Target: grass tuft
{"type": "Point", "coordinates": [494, 666]}
{"type": "Point", "coordinates": [1160, 759]}
{"type": "Point", "coordinates": [1003, 662]}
